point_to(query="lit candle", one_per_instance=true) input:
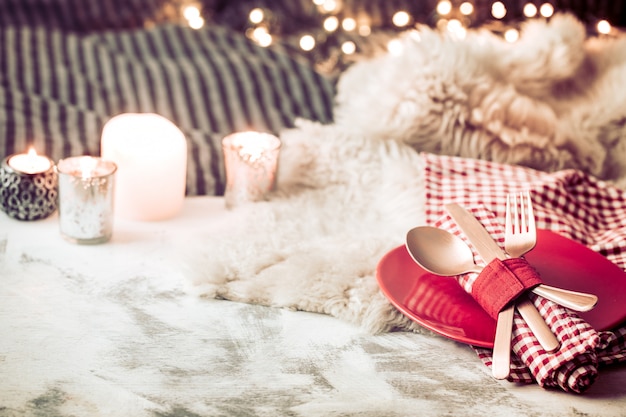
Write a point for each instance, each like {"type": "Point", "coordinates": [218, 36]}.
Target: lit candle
{"type": "Point", "coordinates": [30, 163]}
{"type": "Point", "coordinates": [86, 187]}
{"type": "Point", "coordinates": [151, 156]}
{"type": "Point", "coordinates": [28, 186]}
{"type": "Point", "coordinates": [251, 160]}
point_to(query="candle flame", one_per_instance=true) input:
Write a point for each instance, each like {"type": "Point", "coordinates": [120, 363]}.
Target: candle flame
{"type": "Point", "coordinates": [87, 166]}
{"type": "Point", "coordinates": [253, 146]}
{"type": "Point", "coordinates": [32, 152]}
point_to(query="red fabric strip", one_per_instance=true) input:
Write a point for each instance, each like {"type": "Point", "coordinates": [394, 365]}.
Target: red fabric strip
{"type": "Point", "coordinates": [501, 282]}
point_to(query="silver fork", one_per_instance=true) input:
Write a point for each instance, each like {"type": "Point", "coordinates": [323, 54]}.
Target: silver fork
{"type": "Point", "coordinates": [520, 234]}
{"type": "Point", "coordinates": [521, 237]}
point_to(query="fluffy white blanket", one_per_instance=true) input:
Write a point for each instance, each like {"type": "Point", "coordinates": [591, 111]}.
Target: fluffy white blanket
{"type": "Point", "coordinates": [348, 192]}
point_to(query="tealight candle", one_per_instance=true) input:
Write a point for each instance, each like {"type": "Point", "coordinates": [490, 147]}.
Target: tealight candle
{"type": "Point", "coordinates": [86, 188]}
{"type": "Point", "coordinates": [30, 163]}
{"type": "Point", "coordinates": [28, 186]}
{"type": "Point", "coordinates": [151, 156]}
{"type": "Point", "coordinates": [251, 160]}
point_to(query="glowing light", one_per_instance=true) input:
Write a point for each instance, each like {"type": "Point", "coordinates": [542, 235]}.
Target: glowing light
{"type": "Point", "coordinates": [318, 2]}
{"type": "Point", "coordinates": [444, 7]}
{"type": "Point", "coordinates": [455, 27]}
{"type": "Point", "coordinates": [395, 47]}
{"type": "Point", "coordinates": [261, 36]}
{"type": "Point", "coordinates": [442, 24]}
{"type": "Point", "coordinates": [365, 30]}
{"type": "Point", "coordinates": [466, 8]}
{"type": "Point", "coordinates": [604, 27]}
{"type": "Point", "coordinates": [511, 35]}
{"type": "Point", "coordinates": [193, 16]}
{"type": "Point", "coordinates": [307, 42]}
{"type": "Point", "coordinates": [256, 15]}
{"type": "Point", "coordinates": [87, 166]}
{"type": "Point", "coordinates": [30, 163]}
{"type": "Point", "coordinates": [546, 10]}
{"type": "Point", "coordinates": [401, 19]}
{"type": "Point", "coordinates": [191, 12]}
{"type": "Point", "coordinates": [196, 23]}
{"type": "Point", "coordinates": [329, 5]}
{"type": "Point", "coordinates": [331, 23]}
{"type": "Point", "coordinates": [415, 35]}
{"type": "Point", "coordinates": [348, 47]}
{"type": "Point", "coordinates": [498, 10]}
{"type": "Point", "coordinates": [348, 24]}
{"type": "Point", "coordinates": [530, 10]}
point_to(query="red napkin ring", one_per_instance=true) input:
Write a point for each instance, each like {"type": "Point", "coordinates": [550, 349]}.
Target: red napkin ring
{"type": "Point", "coordinates": [501, 282]}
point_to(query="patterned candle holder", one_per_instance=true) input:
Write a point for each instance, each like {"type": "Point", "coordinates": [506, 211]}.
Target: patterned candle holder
{"type": "Point", "coordinates": [26, 195]}
{"type": "Point", "coordinates": [251, 160]}
{"type": "Point", "coordinates": [86, 188]}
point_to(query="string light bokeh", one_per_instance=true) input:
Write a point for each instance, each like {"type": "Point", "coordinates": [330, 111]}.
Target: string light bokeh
{"type": "Point", "coordinates": [338, 31]}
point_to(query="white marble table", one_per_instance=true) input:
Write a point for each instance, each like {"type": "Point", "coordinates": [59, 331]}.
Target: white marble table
{"type": "Point", "coordinates": [109, 330]}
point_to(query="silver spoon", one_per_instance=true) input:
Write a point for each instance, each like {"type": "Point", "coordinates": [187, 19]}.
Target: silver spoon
{"type": "Point", "coordinates": [443, 253]}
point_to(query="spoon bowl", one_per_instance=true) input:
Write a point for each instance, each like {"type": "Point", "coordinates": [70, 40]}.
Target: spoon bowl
{"type": "Point", "coordinates": [440, 252]}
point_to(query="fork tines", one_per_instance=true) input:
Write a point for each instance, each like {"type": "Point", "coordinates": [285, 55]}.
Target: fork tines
{"type": "Point", "coordinates": [519, 214]}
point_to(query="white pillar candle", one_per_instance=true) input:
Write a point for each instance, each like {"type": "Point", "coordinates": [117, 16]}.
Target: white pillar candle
{"type": "Point", "coordinates": [151, 156]}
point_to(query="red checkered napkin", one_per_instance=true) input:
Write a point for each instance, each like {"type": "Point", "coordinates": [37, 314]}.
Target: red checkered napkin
{"type": "Point", "coordinates": [567, 202]}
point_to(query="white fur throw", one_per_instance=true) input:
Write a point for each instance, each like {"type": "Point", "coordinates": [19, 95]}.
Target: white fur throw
{"type": "Point", "coordinates": [348, 192]}
{"type": "Point", "coordinates": [551, 100]}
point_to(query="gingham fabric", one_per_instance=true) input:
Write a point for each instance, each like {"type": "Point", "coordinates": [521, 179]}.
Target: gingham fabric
{"type": "Point", "coordinates": [567, 202]}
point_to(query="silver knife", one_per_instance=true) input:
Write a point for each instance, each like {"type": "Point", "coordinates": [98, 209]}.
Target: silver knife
{"type": "Point", "coordinates": [488, 249]}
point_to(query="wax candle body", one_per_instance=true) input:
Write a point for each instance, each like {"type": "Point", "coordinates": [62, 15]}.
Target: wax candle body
{"type": "Point", "coordinates": [151, 155]}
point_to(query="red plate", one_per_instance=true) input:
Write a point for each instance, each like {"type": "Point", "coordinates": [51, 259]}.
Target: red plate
{"type": "Point", "coordinates": [441, 305]}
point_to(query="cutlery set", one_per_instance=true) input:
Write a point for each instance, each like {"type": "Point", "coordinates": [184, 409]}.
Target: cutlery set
{"type": "Point", "coordinates": [443, 253]}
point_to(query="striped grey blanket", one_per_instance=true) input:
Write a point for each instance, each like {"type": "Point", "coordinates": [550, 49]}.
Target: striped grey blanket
{"type": "Point", "coordinates": [58, 87]}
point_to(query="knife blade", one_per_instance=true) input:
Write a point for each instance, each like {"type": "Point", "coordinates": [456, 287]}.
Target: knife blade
{"type": "Point", "coordinates": [488, 249]}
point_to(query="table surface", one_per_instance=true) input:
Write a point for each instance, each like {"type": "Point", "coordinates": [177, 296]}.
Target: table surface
{"type": "Point", "coordinates": [110, 330]}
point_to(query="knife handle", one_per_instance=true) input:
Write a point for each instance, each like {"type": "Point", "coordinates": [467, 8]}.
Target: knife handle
{"type": "Point", "coordinates": [537, 324]}
{"type": "Point", "coordinates": [501, 364]}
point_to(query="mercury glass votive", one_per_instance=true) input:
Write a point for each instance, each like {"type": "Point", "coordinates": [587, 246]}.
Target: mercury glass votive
{"type": "Point", "coordinates": [28, 186]}
{"type": "Point", "coordinates": [86, 189]}
{"type": "Point", "coordinates": [251, 160]}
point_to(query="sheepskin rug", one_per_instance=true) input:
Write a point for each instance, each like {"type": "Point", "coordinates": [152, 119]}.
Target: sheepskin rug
{"type": "Point", "coordinates": [348, 192]}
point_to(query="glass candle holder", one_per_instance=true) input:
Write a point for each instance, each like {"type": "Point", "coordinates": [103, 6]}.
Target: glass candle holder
{"type": "Point", "coordinates": [86, 189]}
{"type": "Point", "coordinates": [28, 187]}
{"type": "Point", "coordinates": [251, 160]}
